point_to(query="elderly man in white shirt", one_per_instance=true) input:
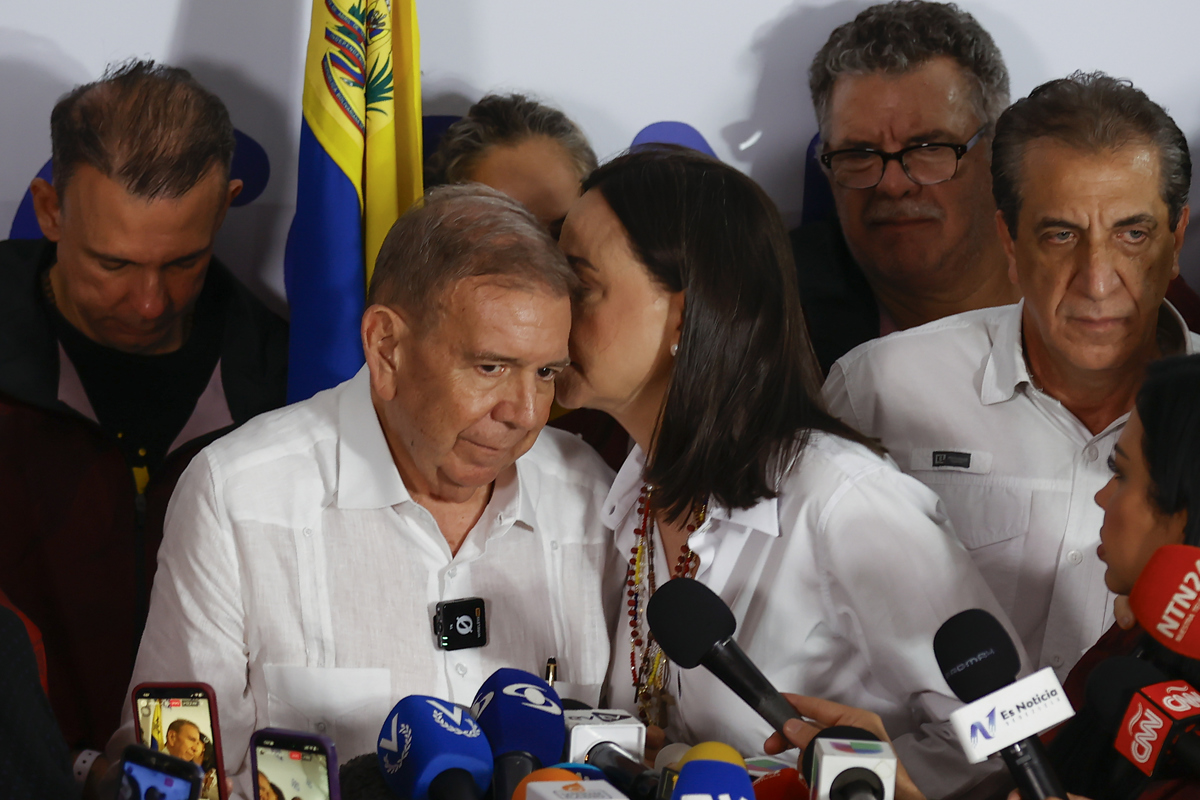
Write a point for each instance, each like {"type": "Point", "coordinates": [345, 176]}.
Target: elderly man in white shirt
{"type": "Point", "coordinates": [1010, 413]}
{"type": "Point", "coordinates": [305, 553]}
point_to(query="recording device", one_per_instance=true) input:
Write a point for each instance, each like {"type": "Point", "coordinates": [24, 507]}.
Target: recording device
{"type": "Point", "coordinates": [297, 764]}
{"type": "Point", "coordinates": [522, 718]}
{"type": "Point", "coordinates": [431, 749]}
{"type": "Point", "coordinates": [181, 720]}
{"type": "Point", "coordinates": [1166, 598]}
{"type": "Point", "coordinates": [1004, 715]}
{"type": "Point", "coordinates": [702, 779]}
{"type": "Point", "coordinates": [586, 728]}
{"type": "Point", "coordinates": [847, 763]}
{"type": "Point", "coordinates": [1155, 719]}
{"type": "Point", "coordinates": [694, 627]}
{"type": "Point", "coordinates": [624, 770]}
{"type": "Point", "coordinates": [460, 624]}
{"type": "Point", "coordinates": [144, 770]}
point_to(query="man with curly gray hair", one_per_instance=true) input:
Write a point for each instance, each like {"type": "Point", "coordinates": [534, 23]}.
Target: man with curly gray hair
{"type": "Point", "coordinates": [906, 97]}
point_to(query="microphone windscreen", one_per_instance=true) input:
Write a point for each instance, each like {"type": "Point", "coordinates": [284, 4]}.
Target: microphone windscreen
{"type": "Point", "coordinates": [832, 732]}
{"type": "Point", "coordinates": [360, 779]}
{"type": "Point", "coordinates": [976, 655]}
{"type": "Point", "coordinates": [782, 784]}
{"type": "Point", "coordinates": [519, 712]}
{"type": "Point", "coordinates": [423, 737]}
{"type": "Point", "coordinates": [543, 774]}
{"type": "Point", "coordinates": [713, 778]}
{"type": "Point", "coordinates": [687, 619]}
{"type": "Point", "coordinates": [713, 751]}
{"type": "Point", "coordinates": [1166, 598]}
{"type": "Point", "coordinates": [1112, 683]}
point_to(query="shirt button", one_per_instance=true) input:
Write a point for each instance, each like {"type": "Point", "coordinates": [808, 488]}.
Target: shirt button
{"type": "Point", "coordinates": [1091, 453]}
{"type": "Point", "coordinates": [320, 726]}
{"type": "Point", "coordinates": [453, 571]}
{"type": "Point", "coordinates": [461, 668]}
{"type": "Point", "coordinates": [308, 531]}
{"type": "Point", "coordinates": [1056, 660]}
{"type": "Point", "coordinates": [554, 545]}
{"type": "Point", "coordinates": [1075, 557]}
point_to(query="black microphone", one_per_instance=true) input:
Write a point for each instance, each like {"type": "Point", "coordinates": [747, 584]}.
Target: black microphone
{"type": "Point", "coordinates": [978, 659]}
{"type": "Point", "coordinates": [361, 779]}
{"type": "Point", "coordinates": [694, 627]}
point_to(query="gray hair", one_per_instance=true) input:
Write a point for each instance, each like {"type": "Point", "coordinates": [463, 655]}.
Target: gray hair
{"type": "Point", "coordinates": [902, 35]}
{"type": "Point", "coordinates": [1091, 112]}
{"type": "Point", "coordinates": [152, 128]}
{"type": "Point", "coordinates": [504, 120]}
{"type": "Point", "coordinates": [464, 231]}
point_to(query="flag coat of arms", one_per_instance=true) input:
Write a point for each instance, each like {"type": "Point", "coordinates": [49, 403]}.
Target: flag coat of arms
{"type": "Point", "coordinates": [359, 169]}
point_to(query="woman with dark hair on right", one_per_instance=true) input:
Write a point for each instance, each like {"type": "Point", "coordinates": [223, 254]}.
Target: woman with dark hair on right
{"type": "Point", "coordinates": [838, 567]}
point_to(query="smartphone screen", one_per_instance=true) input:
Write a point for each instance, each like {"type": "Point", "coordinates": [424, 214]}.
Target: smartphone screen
{"type": "Point", "coordinates": [144, 782]}
{"type": "Point", "coordinates": [178, 720]}
{"type": "Point", "coordinates": [294, 770]}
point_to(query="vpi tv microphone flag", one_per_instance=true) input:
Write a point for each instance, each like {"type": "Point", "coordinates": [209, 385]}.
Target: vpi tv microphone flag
{"type": "Point", "coordinates": [360, 168]}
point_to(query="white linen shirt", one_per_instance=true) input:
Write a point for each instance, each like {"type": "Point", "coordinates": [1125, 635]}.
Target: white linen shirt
{"type": "Point", "coordinates": [298, 577]}
{"type": "Point", "coordinates": [954, 404]}
{"type": "Point", "coordinates": [838, 586]}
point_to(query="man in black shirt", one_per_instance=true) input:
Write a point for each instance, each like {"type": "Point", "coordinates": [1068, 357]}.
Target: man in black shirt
{"type": "Point", "coordinates": [125, 347]}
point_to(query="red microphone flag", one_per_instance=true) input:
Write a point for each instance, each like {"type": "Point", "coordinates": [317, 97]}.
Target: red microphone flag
{"type": "Point", "coordinates": [1166, 598]}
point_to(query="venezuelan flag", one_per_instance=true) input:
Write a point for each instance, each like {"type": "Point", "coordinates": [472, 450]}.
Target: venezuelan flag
{"type": "Point", "coordinates": [360, 168]}
{"type": "Point", "coordinates": [157, 742]}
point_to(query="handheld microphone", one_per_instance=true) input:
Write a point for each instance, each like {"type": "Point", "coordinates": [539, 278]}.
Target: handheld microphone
{"type": "Point", "coordinates": [1158, 724]}
{"type": "Point", "coordinates": [782, 784]}
{"type": "Point", "coordinates": [624, 770]}
{"type": "Point", "coordinates": [361, 779]}
{"type": "Point", "coordinates": [522, 718]}
{"type": "Point", "coordinates": [430, 749]}
{"type": "Point", "coordinates": [980, 663]}
{"type": "Point", "coordinates": [1166, 598]}
{"type": "Point", "coordinates": [712, 751]}
{"type": "Point", "coordinates": [588, 727]}
{"type": "Point", "coordinates": [579, 789]}
{"type": "Point", "coordinates": [553, 774]}
{"type": "Point", "coordinates": [669, 755]}
{"type": "Point", "coordinates": [702, 779]}
{"type": "Point", "coordinates": [694, 627]}
{"type": "Point", "coordinates": [847, 763]}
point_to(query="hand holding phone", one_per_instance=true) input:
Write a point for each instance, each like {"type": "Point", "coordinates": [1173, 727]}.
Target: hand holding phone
{"type": "Point", "coordinates": [180, 719]}
{"type": "Point", "coordinates": [152, 775]}
{"type": "Point", "coordinates": [290, 764]}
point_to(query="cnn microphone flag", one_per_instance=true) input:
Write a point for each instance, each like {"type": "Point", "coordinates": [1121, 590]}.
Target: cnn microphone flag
{"type": "Point", "coordinates": [359, 169]}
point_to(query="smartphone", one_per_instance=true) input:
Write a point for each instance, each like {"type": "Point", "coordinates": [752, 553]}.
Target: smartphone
{"type": "Point", "coordinates": [180, 719]}
{"type": "Point", "coordinates": [152, 775]}
{"type": "Point", "coordinates": [289, 765]}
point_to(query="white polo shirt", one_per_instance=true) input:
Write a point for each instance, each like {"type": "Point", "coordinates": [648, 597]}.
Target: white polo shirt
{"type": "Point", "coordinates": [954, 404]}
{"type": "Point", "coordinates": [838, 586]}
{"type": "Point", "coordinates": [298, 577]}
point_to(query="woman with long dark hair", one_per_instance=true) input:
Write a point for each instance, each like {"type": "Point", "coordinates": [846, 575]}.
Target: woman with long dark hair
{"type": "Point", "coordinates": [838, 567]}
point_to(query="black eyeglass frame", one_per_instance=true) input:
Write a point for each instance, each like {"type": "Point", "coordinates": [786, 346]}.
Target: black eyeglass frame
{"type": "Point", "coordinates": [960, 150]}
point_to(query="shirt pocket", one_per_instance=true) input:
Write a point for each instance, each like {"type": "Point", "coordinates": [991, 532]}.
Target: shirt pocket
{"type": "Point", "coordinates": [345, 704]}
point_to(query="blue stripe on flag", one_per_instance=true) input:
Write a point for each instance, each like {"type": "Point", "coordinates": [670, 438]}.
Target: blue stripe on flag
{"type": "Point", "coordinates": [323, 273]}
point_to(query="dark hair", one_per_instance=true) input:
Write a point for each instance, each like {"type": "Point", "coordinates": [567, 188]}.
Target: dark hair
{"type": "Point", "coordinates": [178, 723]}
{"type": "Point", "coordinates": [1169, 406]}
{"type": "Point", "coordinates": [504, 120]}
{"type": "Point", "coordinates": [458, 232]}
{"type": "Point", "coordinates": [900, 36]}
{"type": "Point", "coordinates": [1091, 112]}
{"type": "Point", "coordinates": [744, 385]}
{"type": "Point", "coordinates": [150, 127]}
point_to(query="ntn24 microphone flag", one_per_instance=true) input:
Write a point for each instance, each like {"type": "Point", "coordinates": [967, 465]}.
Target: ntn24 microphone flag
{"type": "Point", "coordinates": [359, 169]}
{"type": "Point", "coordinates": [1166, 598]}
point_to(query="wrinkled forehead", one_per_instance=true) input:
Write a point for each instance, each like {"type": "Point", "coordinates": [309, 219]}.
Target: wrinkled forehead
{"type": "Point", "coordinates": [1069, 181]}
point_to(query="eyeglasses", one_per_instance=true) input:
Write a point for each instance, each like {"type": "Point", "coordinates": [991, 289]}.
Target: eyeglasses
{"type": "Point", "coordinates": [924, 164]}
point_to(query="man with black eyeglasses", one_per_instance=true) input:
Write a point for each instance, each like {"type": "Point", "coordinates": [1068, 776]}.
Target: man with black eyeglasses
{"type": "Point", "coordinates": [906, 96]}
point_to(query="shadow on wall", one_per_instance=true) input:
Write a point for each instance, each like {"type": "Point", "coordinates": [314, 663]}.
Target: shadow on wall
{"type": "Point", "coordinates": [1189, 257]}
{"type": "Point", "coordinates": [769, 144]}
{"type": "Point", "coordinates": [34, 74]}
{"type": "Point", "coordinates": [238, 50]}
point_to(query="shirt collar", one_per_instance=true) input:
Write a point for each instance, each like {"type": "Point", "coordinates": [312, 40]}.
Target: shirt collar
{"type": "Point", "coordinates": [763, 516]}
{"type": "Point", "coordinates": [367, 475]}
{"type": "Point", "coordinates": [1006, 369]}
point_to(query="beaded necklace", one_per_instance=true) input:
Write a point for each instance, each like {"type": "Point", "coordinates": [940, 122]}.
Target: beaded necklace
{"type": "Point", "coordinates": [648, 664]}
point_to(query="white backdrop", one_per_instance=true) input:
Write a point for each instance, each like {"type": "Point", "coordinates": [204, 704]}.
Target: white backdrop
{"type": "Point", "coordinates": [734, 70]}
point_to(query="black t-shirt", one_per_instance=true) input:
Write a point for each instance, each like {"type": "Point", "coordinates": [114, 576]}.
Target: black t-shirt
{"type": "Point", "coordinates": [143, 401]}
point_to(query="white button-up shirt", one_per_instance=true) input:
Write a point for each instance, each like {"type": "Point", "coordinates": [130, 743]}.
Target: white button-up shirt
{"type": "Point", "coordinates": [954, 404]}
{"type": "Point", "coordinates": [838, 586]}
{"type": "Point", "coordinates": [298, 577]}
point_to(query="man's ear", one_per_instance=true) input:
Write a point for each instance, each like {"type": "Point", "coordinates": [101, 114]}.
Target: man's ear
{"type": "Point", "coordinates": [1180, 230]}
{"type": "Point", "coordinates": [234, 189]}
{"type": "Point", "coordinates": [47, 208]}
{"type": "Point", "coordinates": [385, 332]}
{"type": "Point", "coordinates": [1010, 248]}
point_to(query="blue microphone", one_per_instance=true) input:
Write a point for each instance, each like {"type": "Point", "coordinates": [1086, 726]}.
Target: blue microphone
{"type": "Point", "coordinates": [522, 717]}
{"type": "Point", "coordinates": [431, 749]}
{"type": "Point", "coordinates": [717, 779]}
